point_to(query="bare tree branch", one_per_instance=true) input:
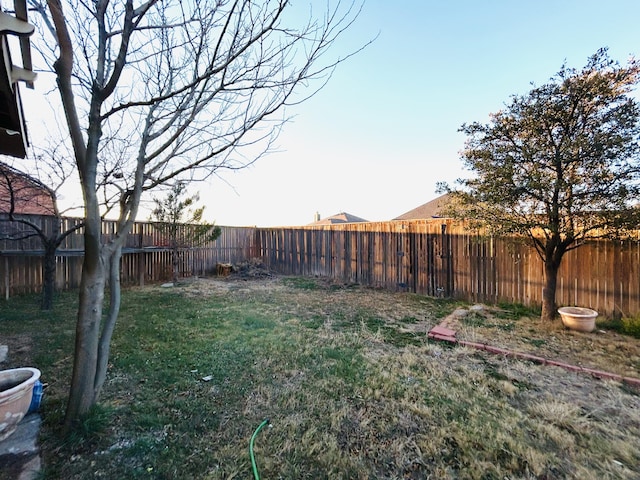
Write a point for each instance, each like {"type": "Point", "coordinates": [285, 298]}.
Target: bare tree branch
{"type": "Point", "coordinates": [169, 91]}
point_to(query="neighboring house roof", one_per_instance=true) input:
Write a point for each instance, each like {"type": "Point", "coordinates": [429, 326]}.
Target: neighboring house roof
{"type": "Point", "coordinates": [341, 217]}
{"type": "Point", "coordinates": [30, 196]}
{"type": "Point", "coordinates": [430, 209]}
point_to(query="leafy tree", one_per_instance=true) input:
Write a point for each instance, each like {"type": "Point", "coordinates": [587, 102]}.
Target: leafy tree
{"type": "Point", "coordinates": [182, 223]}
{"type": "Point", "coordinates": [558, 166]}
{"type": "Point", "coordinates": [159, 90]}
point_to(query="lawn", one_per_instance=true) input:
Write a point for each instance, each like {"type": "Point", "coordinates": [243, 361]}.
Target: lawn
{"type": "Point", "coordinates": [352, 388]}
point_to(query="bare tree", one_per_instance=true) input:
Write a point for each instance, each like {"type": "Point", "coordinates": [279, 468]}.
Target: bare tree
{"type": "Point", "coordinates": [29, 208]}
{"type": "Point", "coordinates": [157, 91]}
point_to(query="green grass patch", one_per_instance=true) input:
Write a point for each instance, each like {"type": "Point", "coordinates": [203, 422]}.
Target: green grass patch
{"type": "Point", "coordinates": [302, 283]}
{"type": "Point", "coordinates": [536, 342]}
{"type": "Point", "coordinates": [92, 428]}
{"type": "Point", "coordinates": [626, 326]}
{"type": "Point", "coordinates": [484, 320]}
{"type": "Point", "coordinates": [408, 320]}
{"type": "Point", "coordinates": [515, 311]}
{"type": "Point", "coordinates": [315, 322]}
{"type": "Point", "coordinates": [475, 319]}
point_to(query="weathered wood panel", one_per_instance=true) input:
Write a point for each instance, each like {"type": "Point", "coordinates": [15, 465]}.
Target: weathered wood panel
{"type": "Point", "coordinates": [431, 257]}
{"type": "Point", "coordinates": [441, 258]}
{"type": "Point", "coordinates": [146, 255]}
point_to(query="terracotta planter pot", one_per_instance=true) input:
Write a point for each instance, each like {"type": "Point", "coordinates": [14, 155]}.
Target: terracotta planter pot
{"type": "Point", "coordinates": [578, 318]}
{"type": "Point", "coordinates": [16, 389]}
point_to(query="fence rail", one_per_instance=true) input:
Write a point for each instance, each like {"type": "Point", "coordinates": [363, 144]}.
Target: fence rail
{"type": "Point", "coordinates": [431, 257]}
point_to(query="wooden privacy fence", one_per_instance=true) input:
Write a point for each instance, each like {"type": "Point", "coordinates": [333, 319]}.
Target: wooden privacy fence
{"type": "Point", "coordinates": [441, 258]}
{"type": "Point", "coordinates": [388, 255]}
{"type": "Point", "coordinates": [431, 257]}
{"type": "Point", "coordinates": [146, 255]}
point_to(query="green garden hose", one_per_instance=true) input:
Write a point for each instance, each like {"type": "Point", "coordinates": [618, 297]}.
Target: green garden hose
{"type": "Point", "coordinates": [253, 458]}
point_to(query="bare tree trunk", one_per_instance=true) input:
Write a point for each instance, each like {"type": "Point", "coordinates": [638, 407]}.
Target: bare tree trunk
{"type": "Point", "coordinates": [82, 393]}
{"type": "Point", "coordinates": [172, 144]}
{"type": "Point", "coordinates": [48, 275]}
{"type": "Point", "coordinates": [51, 244]}
{"type": "Point", "coordinates": [549, 291]}
{"type": "Point", "coordinates": [110, 321]}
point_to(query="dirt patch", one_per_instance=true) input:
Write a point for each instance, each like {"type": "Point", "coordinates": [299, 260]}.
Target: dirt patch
{"type": "Point", "coordinates": [19, 351]}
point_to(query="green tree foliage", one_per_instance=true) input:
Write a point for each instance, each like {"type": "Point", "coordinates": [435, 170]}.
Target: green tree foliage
{"type": "Point", "coordinates": [558, 166]}
{"type": "Point", "coordinates": [181, 221]}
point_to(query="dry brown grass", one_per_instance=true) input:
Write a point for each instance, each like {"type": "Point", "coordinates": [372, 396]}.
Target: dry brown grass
{"type": "Point", "coordinates": [353, 388]}
{"type": "Point", "coordinates": [427, 409]}
{"type": "Point", "coordinates": [603, 349]}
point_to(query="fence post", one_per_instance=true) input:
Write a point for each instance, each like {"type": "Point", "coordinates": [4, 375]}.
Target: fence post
{"type": "Point", "coordinates": [446, 260]}
{"type": "Point", "coordinates": [141, 268]}
{"type": "Point", "coordinates": [6, 278]}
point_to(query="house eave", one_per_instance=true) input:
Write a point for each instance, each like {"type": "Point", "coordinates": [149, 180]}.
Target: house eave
{"type": "Point", "coordinates": [13, 129]}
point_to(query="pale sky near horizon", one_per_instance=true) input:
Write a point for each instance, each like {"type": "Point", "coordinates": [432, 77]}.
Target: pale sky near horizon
{"type": "Point", "coordinates": [378, 137]}
{"type": "Point", "coordinates": [376, 140]}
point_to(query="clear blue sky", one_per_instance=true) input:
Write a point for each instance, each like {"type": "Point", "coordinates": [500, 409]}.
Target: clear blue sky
{"type": "Point", "coordinates": [378, 137]}
{"type": "Point", "coordinates": [376, 140]}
